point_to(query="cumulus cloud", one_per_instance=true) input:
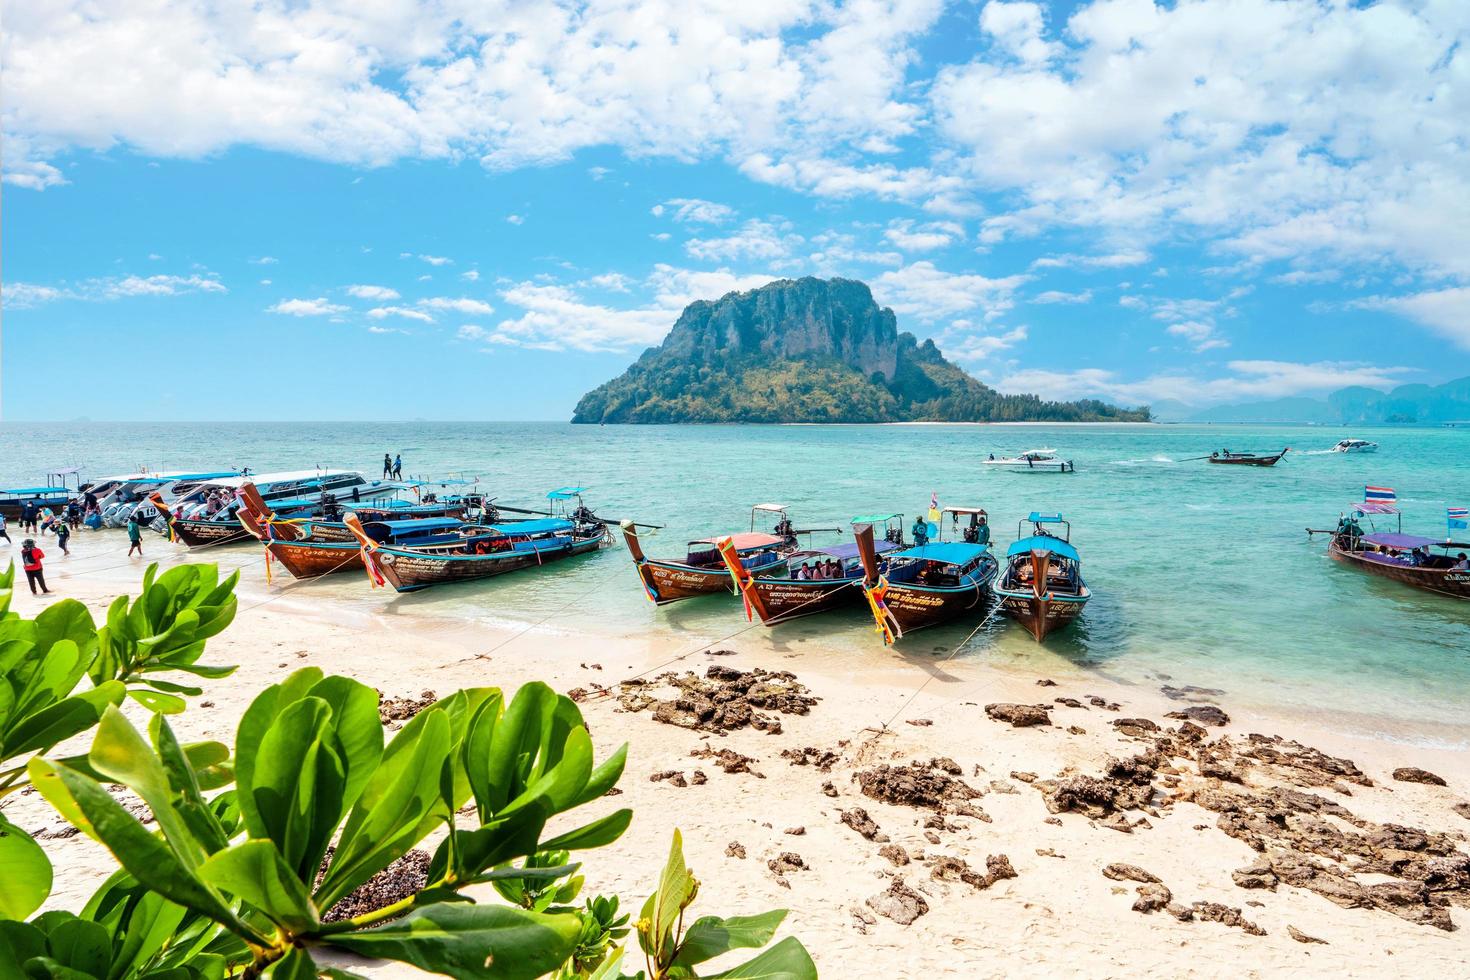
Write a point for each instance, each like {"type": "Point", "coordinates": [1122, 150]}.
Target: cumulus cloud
{"type": "Point", "coordinates": [929, 293]}
{"type": "Point", "coordinates": [383, 312]}
{"type": "Point", "coordinates": [966, 345]}
{"type": "Point", "coordinates": [473, 307]}
{"type": "Point", "coordinates": [693, 210]}
{"type": "Point", "coordinates": [320, 306]}
{"type": "Point", "coordinates": [1445, 311]}
{"type": "Point", "coordinates": [378, 293]}
{"type": "Point", "coordinates": [1057, 296]}
{"type": "Point", "coordinates": [755, 239]}
{"type": "Point", "coordinates": [923, 237]}
{"type": "Point", "coordinates": [557, 317]}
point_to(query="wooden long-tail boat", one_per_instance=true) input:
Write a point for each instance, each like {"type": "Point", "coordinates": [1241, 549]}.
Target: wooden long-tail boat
{"type": "Point", "coordinates": [1404, 558]}
{"type": "Point", "coordinates": [1226, 457]}
{"type": "Point", "coordinates": [187, 520]}
{"type": "Point", "coordinates": [310, 557]}
{"type": "Point", "coordinates": [702, 570]}
{"type": "Point", "coordinates": [322, 520]}
{"type": "Point", "coordinates": [483, 550]}
{"type": "Point", "coordinates": [1041, 586]}
{"type": "Point", "coordinates": [818, 580]}
{"type": "Point", "coordinates": [924, 585]}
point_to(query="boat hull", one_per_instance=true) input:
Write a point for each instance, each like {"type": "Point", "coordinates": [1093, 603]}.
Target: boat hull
{"type": "Point", "coordinates": [780, 600]}
{"type": "Point", "coordinates": [670, 581]}
{"type": "Point", "coordinates": [1041, 615]}
{"type": "Point", "coordinates": [1248, 460]}
{"type": "Point", "coordinates": [408, 570]}
{"type": "Point", "coordinates": [915, 607]}
{"type": "Point", "coordinates": [1054, 466]}
{"type": "Point", "coordinates": [313, 559]}
{"type": "Point", "coordinates": [1442, 581]}
{"type": "Point", "coordinates": [204, 534]}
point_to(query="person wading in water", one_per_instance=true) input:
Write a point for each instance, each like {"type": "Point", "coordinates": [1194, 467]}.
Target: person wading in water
{"type": "Point", "coordinates": [135, 536]}
{"type": "Point", "coordinates": [30, 557]}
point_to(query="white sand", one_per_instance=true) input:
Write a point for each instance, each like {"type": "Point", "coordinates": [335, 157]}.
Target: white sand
{"type": "Point", "coordinates": [1060, 915]}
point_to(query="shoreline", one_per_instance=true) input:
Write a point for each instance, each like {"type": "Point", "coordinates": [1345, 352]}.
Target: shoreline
{"type": "Point", "coordinates": [1061, 912]}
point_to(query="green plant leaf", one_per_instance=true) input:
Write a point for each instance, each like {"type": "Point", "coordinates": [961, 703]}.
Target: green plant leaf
{"type": "Point", "coordinates": [787, 960]}
{"type": "Point", "coordinates": [598, 833]}
{"type": "Point", "coordinates": [298, 782]}
{"type": "Point", "coordinates": [121, 755]}
{"type": "Point", "coordinates": [255, 872]}
{"type": "Point", "coordinates": [473, 942]}
{"type": "Point", "coordinates": [25, 871]}
{"type": "Point", "coordinates": [80, 946]}
{"type": "Point", "coordinates": [711, 936]}
{"type": "Point", "coordinates": [67, 620]}
{"type": "Point", "coordinates": [62, 720]}
{"type": "Point", "coordinates": [297, 964]}
{"type": "Point", "coordinates": [166, 704]}
{"type": "Point", "coordinates": [254, 724]}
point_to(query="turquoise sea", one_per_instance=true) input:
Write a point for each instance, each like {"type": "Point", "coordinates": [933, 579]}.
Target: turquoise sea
{"type": "Point", "coordinates": [1202, 574]}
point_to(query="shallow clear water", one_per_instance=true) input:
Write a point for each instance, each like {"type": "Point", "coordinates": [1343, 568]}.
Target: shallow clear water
{"type": "Point", "coordinates": [1201, 574]}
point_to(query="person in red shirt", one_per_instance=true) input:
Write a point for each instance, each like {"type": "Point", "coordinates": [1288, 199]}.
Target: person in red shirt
{"type": "Point", "coordinates": [30, 557]}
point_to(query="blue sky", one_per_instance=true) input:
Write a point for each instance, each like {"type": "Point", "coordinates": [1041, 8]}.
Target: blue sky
{"type": "Point", "coordinates": [395, 210]}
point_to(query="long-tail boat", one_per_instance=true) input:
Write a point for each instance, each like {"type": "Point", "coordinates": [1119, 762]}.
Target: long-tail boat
{"type": "Point", "coordinates": [322, 519]}
{"type": "Point", "coordinates": [817, 580]}
{"type": "Point", "coordinates": [1226, 457]}
{"type": "Point", "coordinates": [311, 557]}
{"type": "Point", "coordinates": [927, 584]}
{"type": "Point", "coordinates": [484, 550]}
{"type": "Point", "coordinates": [702, 571]}
{"type": "Point", "coordinates": [189, 520]}
{"type": "Point", "coordinates": [1405, 558]}
{"type": "Point", "coordinates": [1041, 587]}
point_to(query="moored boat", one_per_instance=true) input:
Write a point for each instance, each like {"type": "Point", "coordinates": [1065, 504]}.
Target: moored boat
{"type": "Point", "coordinates": [815, 581]}
{"type": "Point", "coordinates": [210, 514]}
{"type": "Point", "coordinates": [702, 570]}
{"type": "Point", "coordinates": [322, 519]}
{"type": "Point", "coordinates": [485, 550]}
{"type": "Point", "coordinates": [311, 557]}
{"type": "Point", "coordinates": [1041, 586]}
{"type": "Point", "coordinates": [1247, 459]}
{"type": "Point", "coordinates": [1408, 559]}
{"type": "Point", "coordinates": [925, 585]}
{"type": "Point", "coordinates": [1032, 461]}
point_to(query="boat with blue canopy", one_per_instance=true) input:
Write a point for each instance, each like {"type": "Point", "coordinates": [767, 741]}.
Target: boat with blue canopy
{"type": "Point", "coordinates": [927, 584]}
{"type": "Point", "coordinates": [815, 580]}
{"type": "Point", "coordinates": [311, 557]}
{"type": "Point", "coordinates": [484, 550]}
{"type": "Point", "coordinates": [209, 515]}
{"type": "Point", "coordinates": [322, 518]}
{"type": "Point", "coordinates": [702, 571]}
{"type": "Point", "coordinates": [1042, 587]}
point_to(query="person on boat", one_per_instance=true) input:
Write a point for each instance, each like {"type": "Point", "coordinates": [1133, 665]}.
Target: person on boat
{"type": "Point", "coordinates": [63, 535]}
{"type": "Point", "coordinates": [921, 532]}
{"type": "Point", "coordinates": [30, 559]}
{"type": "Point", "coordinates": [802, 574]}
{"type": "Point", "coordinates": [1462, 563]}
{"type": "Point", "coordinates": [387, 466]}
{"type": "Point", "coordinates": [135, 536]}
{"type": "Point", "coordinates": [982, 529]}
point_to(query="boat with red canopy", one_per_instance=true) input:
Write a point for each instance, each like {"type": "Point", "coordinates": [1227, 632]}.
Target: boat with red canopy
{"type": "Point", "coordinates": [702, 570]}
{"type": "Point", "coordinates": [816, 580]}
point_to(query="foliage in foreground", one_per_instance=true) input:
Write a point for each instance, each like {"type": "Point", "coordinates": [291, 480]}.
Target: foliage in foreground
{"type": "Point", "coordinates": [42, 704]}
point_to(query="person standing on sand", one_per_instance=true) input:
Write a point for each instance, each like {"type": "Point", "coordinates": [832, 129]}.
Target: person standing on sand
{"type": "Point", "coordinates": [135, 536]}
{"type": "Point", "coordinates": [63, 535]}
{"type": "Point", "coordinates": [30, 558]}
{"type": "Point", "coordinates": [387, 466]}
{"type": "Point", "coordinates": [3, 533]}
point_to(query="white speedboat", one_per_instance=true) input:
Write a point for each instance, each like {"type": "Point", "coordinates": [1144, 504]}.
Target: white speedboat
{"type": "Point", "coordinates": [1033, 461]}
{"type": "Point", "coordinates": [1355, 446]}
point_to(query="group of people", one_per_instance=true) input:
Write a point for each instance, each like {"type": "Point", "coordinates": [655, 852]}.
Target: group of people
{"type": "Point", "coordinates": [819, 571]}
{"type": "Point", "coordinates": [392, 466]}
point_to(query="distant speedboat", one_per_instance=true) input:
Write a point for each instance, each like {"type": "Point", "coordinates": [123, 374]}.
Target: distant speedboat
{"type": "Point", "coordinates": [1355, 446]}
{"type": "Point", "coordinates": [1034, 461]}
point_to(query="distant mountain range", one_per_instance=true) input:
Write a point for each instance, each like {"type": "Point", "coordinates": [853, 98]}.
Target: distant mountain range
{"type": "Point", "coordinates": [809, 350]}
{"type": "Point", "coordinates": [1430, 404]}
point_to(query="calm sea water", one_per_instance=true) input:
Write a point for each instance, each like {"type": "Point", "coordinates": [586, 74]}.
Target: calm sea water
{"type": "Point", "coordinates": [1201, 574]}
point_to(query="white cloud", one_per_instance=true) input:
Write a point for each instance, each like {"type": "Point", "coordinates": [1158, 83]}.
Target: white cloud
{"type": "Point", "coordinates": [614, 282]}
{"type": "Point", "coordinates": [23, 295]}
{"type": "Point", "coordinates": [1200, 335]}
{"type": "Point", "coordinates": [378, 293]}
{"type": "Point", "coordinates": [1247, 380]}
{"type": "Point", "coordinates": [382, 312]}
{"type": "Point", "coordinates": [1057, 296]}
{"type": "Point", "coordinates": [264, 260]}
{"type": "Point", "coordinates": [930, 293]}
{"type": "Point", "coordinates": [693, 210]}
{"type": "Point", "coordinates": [436, 260]}
{"type": "Point", "coordinates": [307, 307]}
{"type": "Point", "coordinates": [964, 345]}
{"type": "Point", "coordinates": [755, 239]}
{"type": "Point", "coordinates": [472, 307]}
{"type": "Point", "coordinates": [926, 237]}
{"type": "Point", "coordinates": [556, 317]}
{"type": "Point", "coordinates": [515, 219]}
{"type": "Point", "coordinates": [597, 173]}
{"type": "Point", "coordinates": [1445, 311]}
{"type": "Point", "coordinates": [470, 275]}
{"type": "Point", "coordinates": [675, 288]}
{"type": "Point", "coordinates": [1110, 260]}
{"type": "Point", "coordinates": [1017, 29]}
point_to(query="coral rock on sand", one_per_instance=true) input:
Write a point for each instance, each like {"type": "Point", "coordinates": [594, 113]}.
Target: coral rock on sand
{"type": "Point", "coordinates": [900, 903]}
{"type": "Point", "coordinates": [1137, 727]}
{"type": "Point", "coordinates": [1152, 896]}
{"type": "Point", "coordinates": [786, 861]}
{"type": "Point", "coordinates": [1205, 714]}
{"type": "Point", "coordinates": [402, 709]}
{"type": "Point", "coordinates": [735, 849]}
{"type": "Point", "coordinates": [723, 700]}
{"type": "Point", "coordinates": [895, 854]}
{"type": "Point", "coordinates": [1215, 912]}
{"type": "Point", "coordinates": [1019, 715]}
{"type": "Point", "coordinates": [1410, 774]}
{"type": "Point", "coordinates": [730, 761]}
{"type": "Point", "coordinates": [671, 776]}
{"type": "Point", "coordinates": [857, 818]}
{"type": "Point", "coordinates": [823, 759]}
{"type": "Point", "coordinates": [916, 784]}
{"type": "Point", "coordinates": [1129, 872]}
{"type": "Point", "coordinates": [1463, 809]}
{"type": "Point", "coordinates": [828, 789]}
{"type": "Point", "coordinates": [943, 867]}
{"type": "Point", "coordinates": [1302, 937]}
{"type": "Point", "coordinates": [1046, 682]}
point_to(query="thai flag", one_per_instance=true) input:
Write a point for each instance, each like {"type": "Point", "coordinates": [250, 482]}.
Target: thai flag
{"type": "Point", "coordinates": [1458, 518]}
{"type": "Point", "coordinates": [1379, 495]}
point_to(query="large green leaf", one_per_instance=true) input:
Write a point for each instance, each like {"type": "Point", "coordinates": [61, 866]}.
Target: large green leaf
{"type": "Point", "coordinates": [787, 960]}
{"type": "Point", "coordinates": [711, 936]}
{"type": "Point", "coordinates": [81, 946]}
{"type": "Point", "coordinates": [676, 889]}
{"type": "Point", "coordinates": [359, 728]}
{"type": "Point", "coordinates": [24, 872]}
{"type": "Point", "coordinates": [297, 964]}
{"type": "Point", "coordinates": [62, 719]}
{"type": "Point", "coordinates": [67, 620]}
{"type": "Point", "coordinates": [255, 872]}
{"type": "Point", "coordinates": [254, 724]}
{"type": "Point", "coordinates": [120, 754]}
{"type": "Point", "coordinates": [473, 942]}
{"type": "Point", "coordinates": [298, 781]}
{"type": "Point", "coordinates": [598, 833]}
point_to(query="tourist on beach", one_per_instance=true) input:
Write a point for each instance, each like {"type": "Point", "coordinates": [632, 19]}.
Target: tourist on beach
{"type": "Point", "coordinates": [27, 516]}
{"type": "Point", "coordinates": [63, 535]}
{"type": "Point", "coordinates": [135, 536]}
{"type": "Point", "coordinates": [3, 533]}
{"type": "Point", "coordinates": [387, 466]}
{"type": "Point", "coordinates": [30, 558]}
{"type": "Point", "coordinates": [398, 467]}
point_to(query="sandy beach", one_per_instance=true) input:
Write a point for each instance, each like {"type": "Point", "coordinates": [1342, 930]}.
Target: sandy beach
{"type": "Point", "coordinates": [926, 818]}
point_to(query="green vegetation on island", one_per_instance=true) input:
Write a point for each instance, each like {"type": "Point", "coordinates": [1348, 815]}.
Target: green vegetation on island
{"type": "Point", "coordinates": [810, 350]}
